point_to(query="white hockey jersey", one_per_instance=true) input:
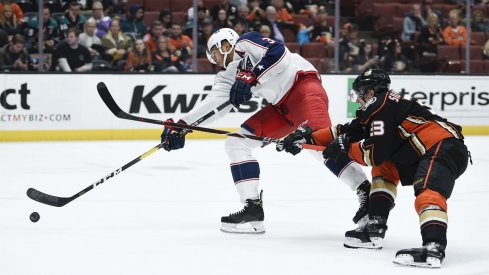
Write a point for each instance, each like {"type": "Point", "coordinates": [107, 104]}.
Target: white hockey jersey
{"type": "Point", "coordinates": [275, 67]}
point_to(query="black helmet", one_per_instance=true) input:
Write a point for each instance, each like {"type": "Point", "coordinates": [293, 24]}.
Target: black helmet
{"type": "Point", "coordinates": [374, 79]}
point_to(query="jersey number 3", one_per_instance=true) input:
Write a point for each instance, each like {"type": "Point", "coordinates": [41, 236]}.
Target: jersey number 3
{"type": "Point", "coordinates": [377, 128]}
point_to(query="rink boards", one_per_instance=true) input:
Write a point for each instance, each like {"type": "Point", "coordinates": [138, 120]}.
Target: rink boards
{"type": "Point", "coordinates": [68, 107]}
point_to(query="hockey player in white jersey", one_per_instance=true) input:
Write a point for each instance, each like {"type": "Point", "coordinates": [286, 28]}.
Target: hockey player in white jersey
{"type": "Point", "coordinates": [254, 65]}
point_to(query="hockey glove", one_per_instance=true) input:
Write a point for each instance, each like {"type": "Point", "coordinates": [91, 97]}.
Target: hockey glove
{"type": "Point", "coordinates": [354, 129]}
{"type": "Point", "coordinates": [338, 149]}
{"type": "Point", "coordinates": [293, 142]}
{"type": "Point", "coordinates": [241, 89]}
{"type": "Point", "coordinates": [173, 138]}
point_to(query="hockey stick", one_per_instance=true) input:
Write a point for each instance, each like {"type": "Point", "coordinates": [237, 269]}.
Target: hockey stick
{"type": "Point", "coordinates": [118, 112]}
{"type": "Point", "coordinates": [61, 201]}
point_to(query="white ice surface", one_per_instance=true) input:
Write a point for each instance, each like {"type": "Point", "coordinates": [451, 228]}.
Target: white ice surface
{"type": "Point", "coordinates": [162, 215]}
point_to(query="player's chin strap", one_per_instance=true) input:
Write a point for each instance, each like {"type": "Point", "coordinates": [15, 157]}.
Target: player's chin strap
{"type": "Point", "coordinates": [225, 57]}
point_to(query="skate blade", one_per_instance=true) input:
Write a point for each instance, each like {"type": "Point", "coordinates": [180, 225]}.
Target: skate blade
{"type": "Point", "coordinates": [375, 243]}
{"type": "Point", "coordinates": [243, 228]}
{"type": "Point", "coordinates": [407, 260]}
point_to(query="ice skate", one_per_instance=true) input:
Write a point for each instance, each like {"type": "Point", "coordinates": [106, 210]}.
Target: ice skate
{"type": "Point", "coordinates": [363, 192]}
{"type": "Point", "coordinates": [248, 220]}
{"type": "Point", "coordinates": [369, 236]}
{"type": "Point", "coordinates": [430, 256]}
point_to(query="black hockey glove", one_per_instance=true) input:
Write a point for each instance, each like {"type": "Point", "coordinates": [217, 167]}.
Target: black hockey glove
{"type": "Point", "coordinates": [293, 142]}
{"type": "Point", "coordinates": [338, 149]}
{"type": "Point", "coordinates": [173, 138]}
{"type": "Point", "coordinates": [354, 129]}
{"type": "Point", "coordinates": [241, 89]}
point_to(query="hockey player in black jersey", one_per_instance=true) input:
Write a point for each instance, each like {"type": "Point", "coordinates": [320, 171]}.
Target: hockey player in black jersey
{"type": "Point", "coordinates": [405, 142]}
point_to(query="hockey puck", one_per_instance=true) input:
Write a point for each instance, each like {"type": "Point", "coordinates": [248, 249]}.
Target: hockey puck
{"type": "Point", "coordinates": [34, 217]}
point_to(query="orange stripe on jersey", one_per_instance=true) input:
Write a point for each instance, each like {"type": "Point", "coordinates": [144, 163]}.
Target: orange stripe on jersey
{"type": "Point", "coordinates": [323, 136]}
{"type": "Point", "coordinates": [431, 164]}
{"type": "Point", "coordinates": [429, 197]}
{"type": "Point", "coordinates": [428, 133]}
{"type": "Point", "coordinates": [356, 153]}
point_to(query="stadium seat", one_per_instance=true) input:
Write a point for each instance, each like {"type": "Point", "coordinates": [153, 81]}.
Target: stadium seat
{"type": "Point", "coordinates": [314, 50]}
{"type": "Point", "coordinates": [398, 25]}
{"type": "Point", "coordinates": [204, 66]}
{"type": "Point", "coordinates": [403, 9]}
{"type": "Point", "coordinates": [486, 66]}
{"type": "Point", "coordinates": [330, 51]}
{"type": "Point", "coordinates": [302, 19]}
{"type": "Point", "coordinates": [157, 5]}
{"type": "Point", "coordinates": [180, 5]}
{"type": "Point", "coordinates": [179, 17]}
{"type": "Point", "coordinates": [476, 66]}
{"type": "Point", "coordinates": [293, 47]}
{"type": "Point", "coordinates": [150, 17]}
{"type": "Point", "coordinates": [384, 23]}
{"type": "Point", "coordinates": [478, 38]}
{"type": "Point", "coordinates": [452, 66]}
{"type": "Point", "coordinates": [135, 2]}
{"type": "Point", "coordinates": [211, 3]}
{"type": "Point", "coordinates": [448, 52]}
{"type": "Point", "coordinates": [475, 52]}
{"type": "Point", "coordinates": [289, 35]}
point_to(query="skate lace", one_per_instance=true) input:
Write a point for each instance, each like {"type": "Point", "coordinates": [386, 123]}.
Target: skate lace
{"type": "Point", "coordinates": [362, 198]}
{"type": "Point", "coordinates": [239, 212]}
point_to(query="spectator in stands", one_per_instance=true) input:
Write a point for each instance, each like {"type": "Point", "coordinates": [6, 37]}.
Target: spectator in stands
{"type": "Point", "coordinates": [479, 23]}
{"type": "Point", "coordinates": [70, 56]}
{"type": "Point", "coordinates": [222, 21]}
{"type": "Point", "coordinates": [3, 38]}
{"type": "Point", "coordinates": [165, 60]}
{"type": "Point", "coordinates": [231, 10]}
{"type": "Point", "coordinates": [51, 32]}
{"type": "Point", "coordinates": [321, 31]}
{"type": "Point", "coordinates": [243, 13]}
{"type": "Point", "coordinates": [207, 31]}
{"type": "Point", "coordinates": [256, 14]}
{"type": "Point", "coordinates": [239, 28]}
{"type": "Point", "coordinates": [265, 30]}
{"type": "Point", "coordinates": [180, 41]}
{"type": "Point", "coordinates": [13, 56]}
{"type": "Point", "coordinates": [275, 27]}
{"type": "Point", "coordinates": [151, 38]}
{"type": "Point", "coordinates": [90, 40]}
{"type": "Point", "coordinates": [134, 25]}
{"type": "Point", "coordinates": [393, 60]}
{"type": "Point", "coordinates": [427, 7]}
{"type": "Point", "coordinates": [366, 58]}
{"type": "Point", "coordinates": [166, 18]}
{"type": "Point", "coordinates": [239, 3]}
{"type": "Point", "coordinates": [349, 46]}
{"type": "Point", "coordinates": [9, 22]}
{"type": "Point", "coordinates": [19, 14]}
{"type": "Point", "coordinates": [428, 40]}
{"type": "Point", "coordinates": [202, 14]}
{"type": "Point", "coordinates": [282, 14]}
{"type": "Point", "coordinates": [413, 22]}
{"type": "Point", "coordinates": [116, 44]}
{"type": "Point", "coordinates": [454, 34]}
{"type": "Point", "coordinates": [72, 19]}
{"type": "Point", "coordinates": [139, 58]}
{"type": "Point", "coordinates": [303, 35]}
{"type": "Point", "coordinates": [102, 21]}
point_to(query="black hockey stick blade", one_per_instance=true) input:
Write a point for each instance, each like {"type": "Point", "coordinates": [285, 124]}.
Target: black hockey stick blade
{"type": "Point", "coordinates": [46, 198]}
{"type": "Point", "coordinates": [104, 93]}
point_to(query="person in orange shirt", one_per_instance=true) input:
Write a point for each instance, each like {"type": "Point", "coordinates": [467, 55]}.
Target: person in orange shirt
{"type": "Point", "coordinates": [151, 38]}
{"type": "Point", "coordinates": [454, 34]}
{"type": "Point", "coordinates": [139, 58]}
{"type": "Point", "coordinates": [282, 13]}
{"type": "Point", "coordinates": [19, 14]}
{"type": "Point", "coordinates": [178, 40]}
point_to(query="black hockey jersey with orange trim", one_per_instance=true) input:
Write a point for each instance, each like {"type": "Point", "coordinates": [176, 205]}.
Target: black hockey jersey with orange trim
{"type": "Point", "coordinates": [399, 129]}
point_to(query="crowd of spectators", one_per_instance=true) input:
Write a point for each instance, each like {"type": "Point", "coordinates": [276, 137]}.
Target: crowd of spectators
{"type": "Point", "coordinates": [115, 35]}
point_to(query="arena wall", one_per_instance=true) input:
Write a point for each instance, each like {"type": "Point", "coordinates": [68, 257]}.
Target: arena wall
{"type": "Point", "coordinates": [35, 107]}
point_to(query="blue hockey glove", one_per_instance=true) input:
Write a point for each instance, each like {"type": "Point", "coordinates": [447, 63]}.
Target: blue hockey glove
{"type": "Point", "coordinates": [338, 149]}
{"type": "Point", "coordinates": [241, 89]}
{"type": "Point", "coordinates": [173, 138]}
